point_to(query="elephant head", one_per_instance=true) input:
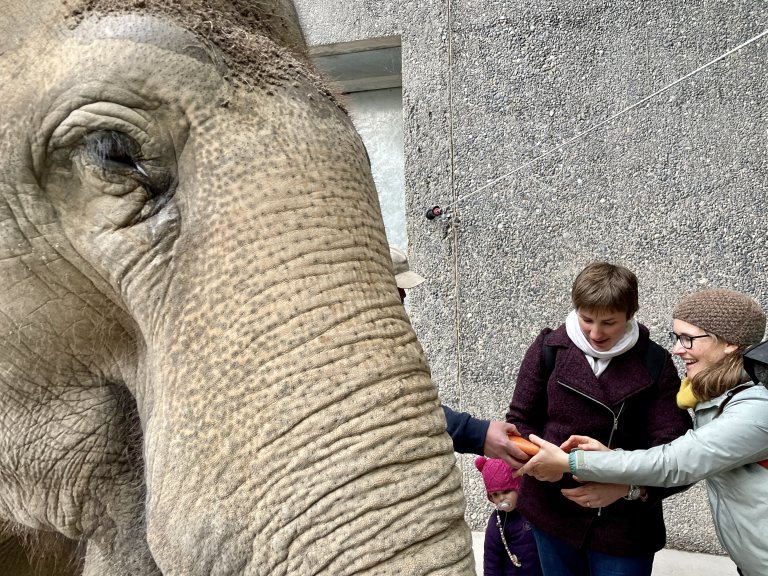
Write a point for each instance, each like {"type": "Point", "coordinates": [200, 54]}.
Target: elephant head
{"type": "Point", "coordinates": [204, 364]}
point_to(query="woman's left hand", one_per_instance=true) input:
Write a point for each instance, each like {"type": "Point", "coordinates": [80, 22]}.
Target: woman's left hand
{"type": "Point", "coordinates": [549, 464]}
{"type": "Point", "coordinates": [595, 495]}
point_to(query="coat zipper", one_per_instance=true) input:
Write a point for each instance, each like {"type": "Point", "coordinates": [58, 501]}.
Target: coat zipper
{"type": "Point", "coordinates": [615, 416]}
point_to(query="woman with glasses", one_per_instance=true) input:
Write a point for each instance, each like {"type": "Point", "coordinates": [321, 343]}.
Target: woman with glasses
{"type": "Point", "coordinates": [728, 446]}
{"type": "Point", "coordinates": [598, 372]}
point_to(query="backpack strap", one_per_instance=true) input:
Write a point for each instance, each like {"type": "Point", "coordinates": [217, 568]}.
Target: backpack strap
{"type": "Point", "coordinates": [731, 393]}
{"type": "Point", "coordinates": [654, 359]}
{"type": "Point", "coordinates": [548, 357]}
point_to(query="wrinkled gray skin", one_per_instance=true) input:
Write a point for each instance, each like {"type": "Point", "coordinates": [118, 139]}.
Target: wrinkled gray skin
{"type": "Point", "coordinates": [204, 364]}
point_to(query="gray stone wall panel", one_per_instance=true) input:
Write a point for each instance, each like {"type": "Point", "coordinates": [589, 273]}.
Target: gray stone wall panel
{"type": "Point", "coordinates": [674, 189]}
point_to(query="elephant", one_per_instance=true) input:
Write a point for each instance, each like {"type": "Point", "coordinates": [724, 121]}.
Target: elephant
{"type": "Point", "coordinates": [38, 553]}
{"type": "Point", "coordinates": [205, 367]}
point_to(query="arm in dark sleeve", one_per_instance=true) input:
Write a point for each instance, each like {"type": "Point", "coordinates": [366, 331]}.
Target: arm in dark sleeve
{"type": "Point", "coordinates": [467, 433]}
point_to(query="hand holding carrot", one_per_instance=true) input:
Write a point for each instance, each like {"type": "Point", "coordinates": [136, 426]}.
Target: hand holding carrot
{"type": "Point", "coordinates": [500, 443]}
{"type": "Point", "coordinates": [525, 445]}
{"type": "Point", "coordinates": [548, 464]}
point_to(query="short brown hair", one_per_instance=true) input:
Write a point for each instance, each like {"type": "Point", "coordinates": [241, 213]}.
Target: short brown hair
{"type": "Point", "coordinates": [602, 286]}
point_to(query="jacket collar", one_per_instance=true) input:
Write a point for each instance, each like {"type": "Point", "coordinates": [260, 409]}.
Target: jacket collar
{"type": "Point", "coordinates": [612, 387]}
{"type": "Point", "coordinates": [720, 401]}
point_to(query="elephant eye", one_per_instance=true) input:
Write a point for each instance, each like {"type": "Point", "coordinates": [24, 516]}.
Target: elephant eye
{"type": "Point", "coordinates": [118, 153]}
{"type": "Point", "coordinates": [114, 151]}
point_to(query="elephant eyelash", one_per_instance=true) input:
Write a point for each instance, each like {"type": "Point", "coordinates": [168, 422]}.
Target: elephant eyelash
{"type": "Point", "coordinates": [114, 151]}
{"type": "Point", "coordinates": [117, 152]}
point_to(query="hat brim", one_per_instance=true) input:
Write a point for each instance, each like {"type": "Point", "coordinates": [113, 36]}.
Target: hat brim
{"type": "Point", "coordinates": [408, 279]}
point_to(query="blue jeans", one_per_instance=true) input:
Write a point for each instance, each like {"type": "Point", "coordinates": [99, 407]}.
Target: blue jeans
{"type": "Point", "coordinates": [561, 559]}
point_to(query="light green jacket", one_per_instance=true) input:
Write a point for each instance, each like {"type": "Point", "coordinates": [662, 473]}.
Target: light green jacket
{"type": "Point", "coordinates": [729, 438]}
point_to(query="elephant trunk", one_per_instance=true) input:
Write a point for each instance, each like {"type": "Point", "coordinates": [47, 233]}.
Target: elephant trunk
{"type": "Point", "coordinates": [291, 426]}
{"type": "Point", "coordinates": [304, 434]}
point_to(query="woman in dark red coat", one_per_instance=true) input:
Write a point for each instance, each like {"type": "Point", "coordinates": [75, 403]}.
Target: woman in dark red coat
{"type": "Point", "coordinates": [599, 375]}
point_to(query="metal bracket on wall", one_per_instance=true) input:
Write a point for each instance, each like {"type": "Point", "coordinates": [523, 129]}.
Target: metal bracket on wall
{"type": "Point", "coordinates": [446, 218]}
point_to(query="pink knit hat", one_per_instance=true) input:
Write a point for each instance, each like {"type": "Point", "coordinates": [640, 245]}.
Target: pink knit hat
{"type": "Point", "coordinates": [497, 475]}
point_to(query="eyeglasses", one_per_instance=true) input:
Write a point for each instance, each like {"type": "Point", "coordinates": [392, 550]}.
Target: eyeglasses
{"type": "Point", "coordinates": [685, 340]}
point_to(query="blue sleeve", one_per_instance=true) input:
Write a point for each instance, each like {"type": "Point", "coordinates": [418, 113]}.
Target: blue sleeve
{"type": "Point", "coordinates": [467, 433]}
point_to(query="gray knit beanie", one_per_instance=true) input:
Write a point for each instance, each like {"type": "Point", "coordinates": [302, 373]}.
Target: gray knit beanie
{"type": "Point", "coordinates": [734, 317]}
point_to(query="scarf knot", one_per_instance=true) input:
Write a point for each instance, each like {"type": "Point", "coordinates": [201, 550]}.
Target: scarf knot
{"type": "Point", "coordinates": [599, 359]}
{"type": "Point", "coordinates": [685, 397]}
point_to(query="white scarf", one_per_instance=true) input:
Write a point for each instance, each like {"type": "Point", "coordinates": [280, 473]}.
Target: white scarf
{"type": "Point", "coordinates": [597, 359]}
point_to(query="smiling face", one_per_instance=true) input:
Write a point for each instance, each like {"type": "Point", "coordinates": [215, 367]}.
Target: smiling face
{"type": "Point", "coordinates": [704, 352]}
{"type": "Point", "coordinates": [602, 329]}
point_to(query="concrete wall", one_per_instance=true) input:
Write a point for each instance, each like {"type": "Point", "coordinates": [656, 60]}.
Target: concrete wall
{"type": "Point", "coordinates": [673, 189]}
{"type": "Point", "coordinates": [377, 115]}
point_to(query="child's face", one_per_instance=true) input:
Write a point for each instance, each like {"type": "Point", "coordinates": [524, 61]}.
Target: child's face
{"type": "Point", "coordinates": [506, 500]}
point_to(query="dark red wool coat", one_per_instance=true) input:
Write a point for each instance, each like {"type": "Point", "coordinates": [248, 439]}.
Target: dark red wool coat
{"type": "Point", "coordinates": [574, 401]}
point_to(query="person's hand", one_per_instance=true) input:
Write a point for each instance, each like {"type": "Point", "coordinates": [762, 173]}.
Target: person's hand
{"type": "Point", "coordinates": [497, 444]}
{"type": "Point", "coordinates": [582, 443]}
{"type": "Point", "coordinates": [549, 464]}
{"type": "Point", "coordinates": [595, 494]}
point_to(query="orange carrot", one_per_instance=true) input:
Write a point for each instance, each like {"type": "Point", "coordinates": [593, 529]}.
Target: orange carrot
{"type": "Point", "coordinates": [525, 445]}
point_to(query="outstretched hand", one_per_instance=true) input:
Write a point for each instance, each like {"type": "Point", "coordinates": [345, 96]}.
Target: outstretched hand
{"type": "Point", "coordinates": [549, 464]}
{"type": "Point", "coordinates": [498, 445]}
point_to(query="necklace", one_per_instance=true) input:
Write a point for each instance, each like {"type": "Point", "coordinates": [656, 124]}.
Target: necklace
{"type": "Point", "coordinates": [512, 557]}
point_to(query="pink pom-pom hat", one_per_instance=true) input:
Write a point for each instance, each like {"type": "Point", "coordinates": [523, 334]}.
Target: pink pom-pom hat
{"type": "Point", "coordinates": [497, 475]}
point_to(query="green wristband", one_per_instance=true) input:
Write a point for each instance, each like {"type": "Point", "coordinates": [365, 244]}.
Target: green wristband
{"type": "Point", "coordinates": [572, 461]}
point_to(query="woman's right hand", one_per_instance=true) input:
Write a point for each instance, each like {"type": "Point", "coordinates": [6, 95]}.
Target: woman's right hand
{"type": "Point", "coordinates": [548, 465]}
{"type": "Point", "coordinates": [576, 442]}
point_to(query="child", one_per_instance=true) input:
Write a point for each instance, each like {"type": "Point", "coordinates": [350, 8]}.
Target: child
{"type": "Point", "coordinates": [509, 544]}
